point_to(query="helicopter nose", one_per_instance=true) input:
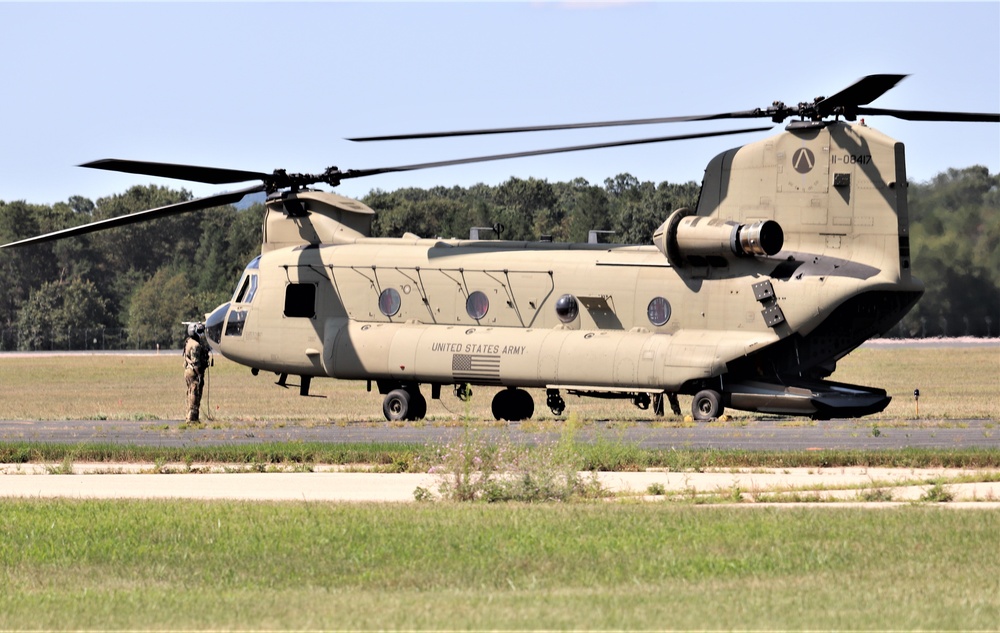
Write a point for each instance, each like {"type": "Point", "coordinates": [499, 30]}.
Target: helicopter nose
{"type": "Point", "coordinates": [214, 323]}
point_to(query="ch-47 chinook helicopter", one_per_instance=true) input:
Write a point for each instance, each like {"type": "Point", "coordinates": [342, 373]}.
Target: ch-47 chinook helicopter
{"type": "Point", "coordinates": [797, 253]}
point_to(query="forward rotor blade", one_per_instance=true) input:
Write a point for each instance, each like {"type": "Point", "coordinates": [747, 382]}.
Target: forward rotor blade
{"type": "Point", "coordinates": [565, 126]}
{"type": "Point", "coordinates": [360, 173]}
{"type": "Point", "coordinates": [932, 115]}
{"type": "Point", "coordinates": [194, 173]}
{"type": "Point", "coordinates": [197, 204]}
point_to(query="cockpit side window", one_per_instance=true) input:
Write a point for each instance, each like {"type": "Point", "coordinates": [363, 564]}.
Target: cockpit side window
{"type": "Point", "coordinates": [253, 289]}
{"type": "Point", "coordinates": [247, 289]}
{"type": "Point", "coordinates": [243, 287]}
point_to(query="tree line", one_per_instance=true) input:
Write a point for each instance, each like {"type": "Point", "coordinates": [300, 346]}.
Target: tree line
{"type": "Point", "coordinates": [133, 286]}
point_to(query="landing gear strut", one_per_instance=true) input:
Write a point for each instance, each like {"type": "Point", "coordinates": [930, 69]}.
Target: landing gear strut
{"type": "Point", "coordinates": [554, 401]}
{"type": "Point", "coordinates": [463, 391]}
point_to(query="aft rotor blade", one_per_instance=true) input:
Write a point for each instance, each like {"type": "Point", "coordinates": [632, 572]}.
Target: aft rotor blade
{"type": "Point", "coordinates": [194, 173]}
{"type": "Point", "coordinates": [360, 173]}
{"type": "Point", "coordinates": [862, 92]}
{"type": "Point", "coordinates": [749, 114]}
{"type": "Point", "coordinates": [932, 115]}
{"type": "Point", "coordinates": [197, 204]}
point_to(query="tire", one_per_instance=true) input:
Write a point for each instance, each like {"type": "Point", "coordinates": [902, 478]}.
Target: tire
{"type": "Point", "coordinates": [706, 405]}
{"type": "Point", "coordinates": [513, 405]}
{"type": "Point", "coordinates": [502, 405]}
{"type": "Point", "coordinates": [397, 405]}
{"type": "Point", "coordinates": [418, 406]}
{"type": "Point", "coordinates": [524, 405]}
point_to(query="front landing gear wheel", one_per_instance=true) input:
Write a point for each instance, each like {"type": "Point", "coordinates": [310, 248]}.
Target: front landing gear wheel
{"type": "Point", "coordinates": [396, 405]}
{"type": "Point", "coordinates": [707, 405]}
{"type": "Point", "coordinates": [404, 404]}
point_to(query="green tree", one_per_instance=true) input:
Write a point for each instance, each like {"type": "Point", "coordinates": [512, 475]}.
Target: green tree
{"type": "Point", "coordinates": [584, 207]}
{"type": "Point", "coordinates": [527, 208]}
{"type": "Point", "coordinates": [146, 246]}
{"type": "Point", "coordinates": [159, 307]}
{"type": "Point", "coordinates": [229, 239]}
{"type": "Point", "coordinates": [22, 269]}
{"type": "Point", "coordinates": [955, 246]}
{"type": "Point", "coordinates": [57, 315]}
{"type": "Point", "coordinates": [633, 210]}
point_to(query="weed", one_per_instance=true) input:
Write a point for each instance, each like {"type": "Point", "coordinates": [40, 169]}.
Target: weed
{"type": "Point", "coordinates": [422, 494]}
{"type": "Point", "coordinates": [735, 494]}
{"type": "Point", "coordinates": [65, 468]}
{"type": "Point", "coordinates": [875, 495]}
{"type": "Point", "coordinates": [938, 493]}
{"type": "Point", "coordinates": [656, 489]}
{"type": "Point", "coordinates": [475, 469]}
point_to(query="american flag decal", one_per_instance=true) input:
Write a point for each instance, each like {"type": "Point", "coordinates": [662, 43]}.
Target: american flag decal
{"type": "Point", "coordinates": [481, 368]}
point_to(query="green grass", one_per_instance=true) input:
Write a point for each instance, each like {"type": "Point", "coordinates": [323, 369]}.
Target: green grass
{"type": "Point", "coordinates": [220, 565]}
{"type": "Point", "coordinates": [400, 457]}
{"type": "Point", "coordinates": [955, 383]}
{"type": "Point", "coordinates": [598, 565]}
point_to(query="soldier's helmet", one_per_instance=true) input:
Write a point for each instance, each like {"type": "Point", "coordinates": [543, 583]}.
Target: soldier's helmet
{"type": "Point", "coordinates": [196, 330]}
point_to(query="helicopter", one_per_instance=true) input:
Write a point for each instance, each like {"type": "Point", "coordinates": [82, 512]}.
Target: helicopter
{"type": "Point", "coordinates": [797, 252]}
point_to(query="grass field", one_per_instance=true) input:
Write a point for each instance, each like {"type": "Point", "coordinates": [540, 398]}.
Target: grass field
{"type": "Point", "coordinates": [955, 383]}
{"type": "Point", "coordinates": [191, 565]}
{"type": "Point", "coordinates": [115, 565]}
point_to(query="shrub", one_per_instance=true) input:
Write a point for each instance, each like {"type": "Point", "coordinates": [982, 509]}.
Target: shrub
{"type": "Point", "coordinates": [473, 468]}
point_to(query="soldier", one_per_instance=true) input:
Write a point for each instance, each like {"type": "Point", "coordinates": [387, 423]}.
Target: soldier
{"type": "Point", "coordinates": [195, 365]}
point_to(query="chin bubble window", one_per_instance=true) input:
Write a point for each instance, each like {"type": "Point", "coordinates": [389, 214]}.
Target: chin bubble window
{"type": "Point", "coordinates": [389, 302]}
{"type": "Point", "coordinates": [658, 311]}
{"type": "Point", "coordinates": [567, 308]}
{"type": "Point", "coordinates": [477, 305]}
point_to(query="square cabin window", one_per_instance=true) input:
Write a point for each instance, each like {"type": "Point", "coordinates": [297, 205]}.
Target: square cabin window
{"type": "Point", "coordinates": [300, 300]}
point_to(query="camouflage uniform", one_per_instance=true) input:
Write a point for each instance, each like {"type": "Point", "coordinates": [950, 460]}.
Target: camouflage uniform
{"type": "Point", "coordinates": [195, 365]}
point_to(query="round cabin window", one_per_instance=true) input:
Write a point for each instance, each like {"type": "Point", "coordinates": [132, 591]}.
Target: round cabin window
{"type": "Point", "coordinates": [567, 308]}
{"type": "Point", "coordinates": [389, 302]}
{"type": "Point", "coordinates": [658, 311]}
{"type": "Point", "coordinates": [477, 305]}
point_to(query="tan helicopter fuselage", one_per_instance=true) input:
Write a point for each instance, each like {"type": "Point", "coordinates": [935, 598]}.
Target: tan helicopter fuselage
{"type": "Point", "coordinates": [702, 306]}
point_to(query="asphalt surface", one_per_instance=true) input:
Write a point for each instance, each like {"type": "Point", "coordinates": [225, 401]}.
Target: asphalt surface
{"type": "Point", "coordinates": [767, 434]}
{"type": "Point", "coordinates": [776, 433]}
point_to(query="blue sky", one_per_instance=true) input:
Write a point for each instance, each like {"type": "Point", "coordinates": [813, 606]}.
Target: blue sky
{"type": "Point", "coordinates": [260, 86]}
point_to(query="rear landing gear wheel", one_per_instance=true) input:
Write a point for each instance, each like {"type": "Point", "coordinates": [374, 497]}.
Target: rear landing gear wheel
{"type": "Point", "coordinates": [513, 405]}
{"type": "Point", "coordinates": [707, 405]}
{"type": "Point", "coordinates": [418, 406]}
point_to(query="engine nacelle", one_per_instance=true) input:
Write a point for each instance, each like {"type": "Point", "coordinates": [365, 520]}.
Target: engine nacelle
{"type": "Point", "coordinates": [693, 240]}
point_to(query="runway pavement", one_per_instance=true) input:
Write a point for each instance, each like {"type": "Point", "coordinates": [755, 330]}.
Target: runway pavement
{"type": "Point", "coordinates": [765, 434]}
{"type": "Point", "coordinates": [167, 481]}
